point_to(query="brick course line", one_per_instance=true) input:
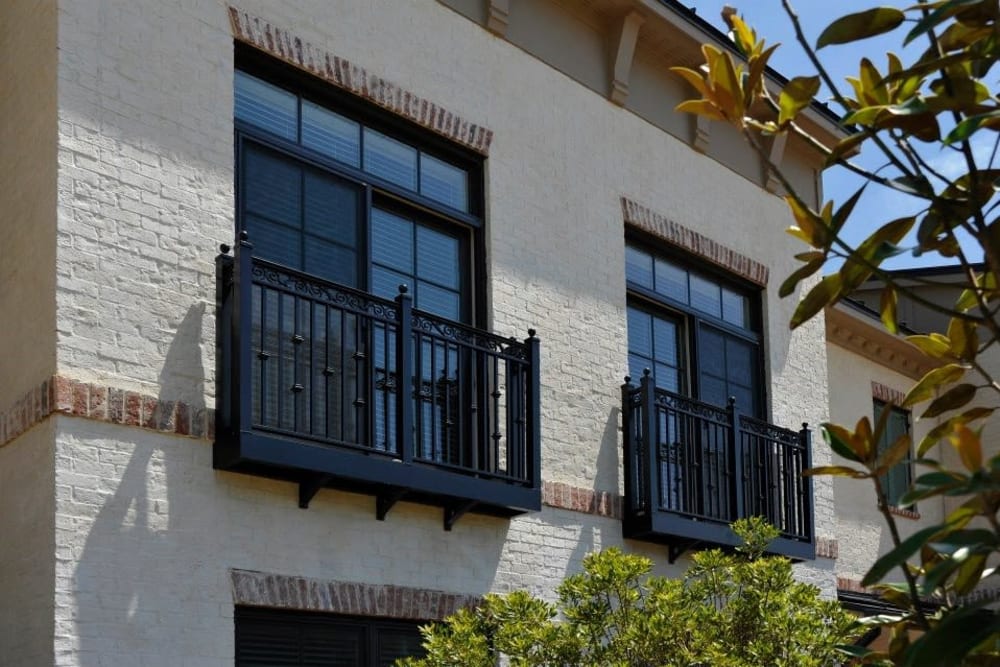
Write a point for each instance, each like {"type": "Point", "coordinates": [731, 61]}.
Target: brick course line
{"type": "Point", "coordinates": [103, 403]}
{"type": "Point", "coordinates": [887, 394]}
{"type": "Point", "coordinates": [99, 402]}
{"type": "Point", "coordinates": [660, 226]}
{"type": "Point", "coordinates": [345, 75]}
{"type": "Point", "coordinates": [260, 589]}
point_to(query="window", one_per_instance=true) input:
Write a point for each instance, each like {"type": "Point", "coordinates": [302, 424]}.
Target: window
{"type": "Point", "coordinates": [332, 189]}
{"type": "Point", "coordinates": [272, 638]}
{"type": "Point", "coordinates": [896, 482]}
{"type": "Point", "coordinates": [345, 196]}
{"type": "Point", "coordinates": [698, 333]}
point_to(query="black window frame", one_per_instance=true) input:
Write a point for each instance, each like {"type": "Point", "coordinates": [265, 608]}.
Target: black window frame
{"type": "Point", "coordinates": [893, 494]}
{"type": "Point", "coordinates": [378, 192]}
{"type": "Point", "coordinates": [650, 301]}
{"type": "Point", "coordinates": [297, 620]}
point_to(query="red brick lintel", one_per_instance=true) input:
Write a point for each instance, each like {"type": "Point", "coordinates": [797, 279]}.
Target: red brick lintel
{"type": "Point", "coordinates": [259, 589]}
{"type": "Point", "coordinates": [107, 404]}
{"type": "Point", "coordinates": [697, 244]}
{"type": "Point", "coordinates": [347, 76]}
{"type": "Point", "coordinates": [887, 394]}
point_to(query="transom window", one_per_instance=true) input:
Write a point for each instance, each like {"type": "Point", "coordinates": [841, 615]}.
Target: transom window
{"type": "Point", "coordinates": [698, 333]}
{"type": "Point", "coordinates": [331, 193]}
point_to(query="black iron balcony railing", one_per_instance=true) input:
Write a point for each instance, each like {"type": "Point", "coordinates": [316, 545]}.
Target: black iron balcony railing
{"type": "Point", "coordinates": [330, 386]}
{"type": "Point", "coordinates": [694, 468]}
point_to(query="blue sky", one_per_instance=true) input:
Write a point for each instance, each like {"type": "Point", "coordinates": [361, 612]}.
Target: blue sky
{"type": "Point", "coordinates": [771, 22]}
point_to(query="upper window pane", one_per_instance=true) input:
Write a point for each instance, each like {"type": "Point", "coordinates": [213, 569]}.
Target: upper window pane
{"type": "Point", "coordinates": [671, 281]}
{"type": "Point", "coordinates": [331, 134]}
{"type": "Point", "coordinates": [390, 159]}
{"type": "Point", "coordinates": [735, 309]}
{"type": "Point", "coordinates": [706, 296]}
{"type": "Point", "coordinates": [444, 182]}
{"type": "Point", "coordinates": [266, 106]}
{"type": "Point", "coordinates": [638, 267]}
{"type": "Point", "coordinates": [437, 257]}
{"type": "Point", "coordinates": [392, 241]}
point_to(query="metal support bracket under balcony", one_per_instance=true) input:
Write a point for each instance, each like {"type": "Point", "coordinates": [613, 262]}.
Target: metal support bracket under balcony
{"type": "Point", "coordinates": [308, 489]}
{"type": "Point", "coordinates": [385, 501]}
{"type": "Point", "coordinates": [453, 513]}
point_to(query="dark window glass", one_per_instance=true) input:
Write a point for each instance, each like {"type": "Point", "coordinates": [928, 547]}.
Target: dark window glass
{"type": "Point", "coordinates": [444, 182]}
{"type": "Point", "coordinates": [273, 638]}
{"type": "Point", "coordinates": [268, 107]}
{"type": "Point", "coordinates": [700, 313]}
{"type": "Point", "coordinates": [898, 479]}
{"type": "Point", "coordinates": [390, 159]}
{"type": "Point", "coordinates": [331, 134]}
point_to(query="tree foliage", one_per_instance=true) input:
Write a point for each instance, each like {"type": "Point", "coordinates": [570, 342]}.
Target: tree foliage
{"type": "Point", "coordinates": [738, 609]}
{"type": "Point", "coordinates": [908, 114]}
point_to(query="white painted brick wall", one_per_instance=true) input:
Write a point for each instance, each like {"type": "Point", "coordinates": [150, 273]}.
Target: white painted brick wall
{"type": "Point", "coordinates": [146, 531]}
{"type": "Point", "coordinates": [27, 548]}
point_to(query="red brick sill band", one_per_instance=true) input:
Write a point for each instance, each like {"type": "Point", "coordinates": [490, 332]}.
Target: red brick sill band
{"type": "Point", "coordinates": [100, 402]}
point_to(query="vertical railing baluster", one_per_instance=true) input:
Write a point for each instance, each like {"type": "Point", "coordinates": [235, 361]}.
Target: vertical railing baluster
{"type": "Point", "coordinates": [405, 375]}
{"type": "Point", "coordinates": [241, 323]}
{"type": "Point", "coordinates": [650, 441]}
{"type": "Point", "coordinates": [738, 487]}
{"type": "Point", "coordinates": [805, 437]}
{"type": "Point", "coordinates": [533, 428]}
{"type": "Point", "coordinates": [628, 446]}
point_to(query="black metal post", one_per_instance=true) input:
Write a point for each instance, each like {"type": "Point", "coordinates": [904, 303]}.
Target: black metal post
{"type": "Point", "coordinates": [628, 446]}
{"type": "Point", "coordinates": [808, 516]}
{"type": "Point", "coordinates": [739, 482]}
{"type": "Point", "coordinates": [242, 321]}
{"type": "Point", "coordinates": [533, 429]}
{"type": "Point", "coordinates": [406, 375]}
{"type": "Point", "coordinates": [224, 370]}
{"type": "Point", "coordinates": [650, 441]}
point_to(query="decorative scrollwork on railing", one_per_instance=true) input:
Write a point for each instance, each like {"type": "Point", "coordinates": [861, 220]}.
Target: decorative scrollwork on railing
{"type": "Point", "coordinates": [270, 275]}
{"type": "Point", "coordinates": [509, 348]}
{"type": "Point", "coordinates": [763, 429]}
{"type": "Point", "coordinates": [690, 406]}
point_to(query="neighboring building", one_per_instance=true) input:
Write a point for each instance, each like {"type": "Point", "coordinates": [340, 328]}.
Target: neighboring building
{"type": "Point", "coordinates": [872, 370]}
{"type": "Point", "coordinates": [166, 414]}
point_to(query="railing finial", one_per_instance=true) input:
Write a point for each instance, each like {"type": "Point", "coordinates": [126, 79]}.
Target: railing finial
{"type": "Point", "coordinates": [646, 372]}
{"type": "Point", "coordinates": [224, 248]}
{"type": "Point", "coordinates": [805, 426]}
{"type": "Point", "coordinates": [732, 401]}
{"type": "Point", "coordinates": [628, 379]}
{"type": "Point", "coordinates": [403, 289]}
{"type": "Point", "coordinates": [531, 333]}
{"type": "Point", "coordinates": [244, 235]}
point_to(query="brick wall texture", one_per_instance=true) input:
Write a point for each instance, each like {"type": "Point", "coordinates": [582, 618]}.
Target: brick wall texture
{"type": "Point", "coordinates": [147, 534]}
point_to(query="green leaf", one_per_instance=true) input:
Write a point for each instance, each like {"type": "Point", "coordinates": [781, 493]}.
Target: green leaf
{"type": "Point", "coordinates": [934, 18]}
{"type": "Point", "coordinates": [826, 292]}
{"type": "Point", "coordinates": [840, 217]}
{"type": "Point", "coordinates": [924, 389]}
{"type": "Point", "coordinates": [796, 96]}
{"type": "Point", "coordinates": [935, 345]}
{"type": "Point", "coordinates": [952, 399]}
{"type": "Point", "coordinates": [958, 633]}
{"type": "Point", "coordinates": [811, 267]}
{"type": "Point", "coordinates": [838, 438]}
{"type": "Point", "coordinates": [887, 310]}
{"type": "Point", "coordinates": [860, 25]}
{"type": "Point", "coordinates": [898, 556]}
{"type": "Point", "coordinates": [968, 127]}
{"type": "Point", "coordinates": [969, 574]}
{"type": "Point", "coordinates": [846, 146]}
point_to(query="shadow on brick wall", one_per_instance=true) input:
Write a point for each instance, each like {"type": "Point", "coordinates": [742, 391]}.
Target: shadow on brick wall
{"type": "Point", "coordinates": [122, 585]}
